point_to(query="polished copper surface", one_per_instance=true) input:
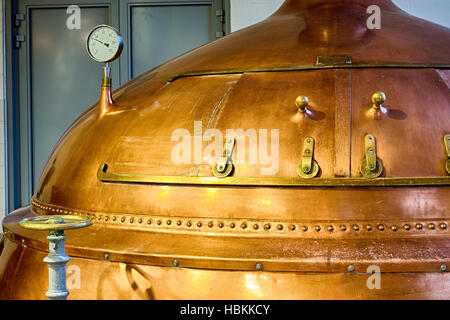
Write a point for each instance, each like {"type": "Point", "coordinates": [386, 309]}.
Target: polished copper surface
{"type": "Point", "coordinates": [248, 235]}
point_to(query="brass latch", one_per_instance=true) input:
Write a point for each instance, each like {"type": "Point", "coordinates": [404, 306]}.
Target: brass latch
{"type": "Point", "coordinates": [308, 167]}
{"type": "Point", "coordinates": [447, 149]}
{"type": "Point", "coordinates": [370, 167]}
{"type": "Point", "coordinates": [224, 166]}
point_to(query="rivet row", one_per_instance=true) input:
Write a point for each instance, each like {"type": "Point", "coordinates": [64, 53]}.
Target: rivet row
{"type": "Point", "coordinates": [280, 227]}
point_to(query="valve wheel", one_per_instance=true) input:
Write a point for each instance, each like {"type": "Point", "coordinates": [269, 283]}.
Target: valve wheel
{"type": "Point", "coordinates": [55, 222]}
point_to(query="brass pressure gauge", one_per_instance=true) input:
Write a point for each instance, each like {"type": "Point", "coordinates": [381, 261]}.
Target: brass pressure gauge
{"type": "Point", "coordinates": [104, 43]}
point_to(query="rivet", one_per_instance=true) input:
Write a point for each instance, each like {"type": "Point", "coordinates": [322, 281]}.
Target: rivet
{"type": "Point", "coordinates": [343, 227]}
{"type": "Point", "coordinates": [380, 227]}
{"type": "Point", "coordinates": [106, 255]}
{"type": "Point", "coordinates": [131, 220]}
{"type": "Point", "coordinates": [267, 226]}
{"type": "Point", "coordinates": [419, 226]}
{"type": "Point", "coordinates": [232, 225]}
{"type": "Point", "coordinates": [149, 221]}
{"type": "Point", "coordinates": [169, 222]}
{"type": "Point", "coordinates": [158, 222]}
{"type": "Point", "coordinates": [99, 218]}
{"type": "Point", "coordinates": [189, 224]}
{"type": "Point", "coordinates": [114, 218]}
{"type": "Point", "coordinates": [407, 227]}
{"type": "Point", "coordinates": [106, 218]}
{"type": "Point", "coordinates": [330, 228]}
{"type": "Point", "coordinates": [443, 267]}
{"type": "Point", "coordinates": [210, 224]}
{"type": "Point", "coordinates": [176, 263]}
{"type": "Point", "coordinates": [351, 268]}
{"type": "Point", "coordinates": [317, 228]}
{"type": "Point", "coordinates": [369, 227]}
{"type": "Point", "coordinates": [179, 223]}
{"type": "Point", "coordinates": [255, 226]}
{"type": "Point", "coordinates": [443, 225]}
{"type": "Point", "coordinates": [280, 227]}
{"type": "Point", "coordinates": [199, 224]}
{"type": "Point", "coordinates": [431, 226]}
{"type": "Point", "coordinates": [122, 219]}
{"type": "Point", "coordinates": [292, 227]}
{"type": "Point", "coordinates": [356, 227]}
{"type": "Point", "coordinates": [221, 225]}
{"type": "Point", "coordinates": [259, 266]}
{"type": "Point", "coordinates": [140, 221]}
{"type": "Point", "coordinates": [394, 228]}
{"type": "Point", "coordinates": [305, 228]}
{"type": "Point", "coordinates": [244, 225]}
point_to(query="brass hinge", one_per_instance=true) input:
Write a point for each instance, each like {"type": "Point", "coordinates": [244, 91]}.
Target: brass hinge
{"type": "Point", "coordinates": [370, 167]}
{"type": "Point", "coordinates": [447, 149]}
{"type": "Point", "coordinates": [308, 168]}
{"type": "Point", "coordinates": [224, 166]}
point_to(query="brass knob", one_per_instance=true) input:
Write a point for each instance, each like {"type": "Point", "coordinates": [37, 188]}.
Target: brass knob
{"type": "Point", "coordinates": [301, 102]}
{"type": "Point", "coordinates": [378, 98]}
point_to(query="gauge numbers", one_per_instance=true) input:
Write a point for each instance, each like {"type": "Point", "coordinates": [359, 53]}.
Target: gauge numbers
{"type": "Point", "coordinates": [104, 43]}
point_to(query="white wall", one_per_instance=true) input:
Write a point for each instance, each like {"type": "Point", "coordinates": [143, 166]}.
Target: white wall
{"type": "Point", "coordinates": [248, 12]}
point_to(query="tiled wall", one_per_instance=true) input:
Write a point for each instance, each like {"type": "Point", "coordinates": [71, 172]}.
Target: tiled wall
{"type": "Point", "coordinates": [247, 12]}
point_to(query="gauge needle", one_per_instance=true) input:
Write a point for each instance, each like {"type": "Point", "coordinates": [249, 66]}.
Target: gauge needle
{"type": "Point", "coordinates": [106, 44]}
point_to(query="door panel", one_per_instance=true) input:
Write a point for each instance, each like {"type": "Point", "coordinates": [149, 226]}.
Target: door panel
{"type": "Point", "coordinates": [160, 33]}
{"type": "Point", "coordinates": [157, 31]}
{"type": "Point", "coordinates": [406, 143]}
{"type": "Point", "coordinates": [269, 100]}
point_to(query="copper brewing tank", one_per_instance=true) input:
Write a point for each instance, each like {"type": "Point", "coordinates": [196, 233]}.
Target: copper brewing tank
{"type": "Point", "coordinates": [174, 231]}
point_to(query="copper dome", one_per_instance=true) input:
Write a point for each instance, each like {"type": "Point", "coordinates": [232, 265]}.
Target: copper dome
{"type": "Point", "coordinates": [252, 234]}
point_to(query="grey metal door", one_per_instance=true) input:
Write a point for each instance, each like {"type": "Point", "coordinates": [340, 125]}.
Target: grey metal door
{"type": "Point", "coordinates": [54, 70]}
{"type": "Point", "coordinates": [58, 80]}
{"type": "Point", "coordinates": [157, 31]}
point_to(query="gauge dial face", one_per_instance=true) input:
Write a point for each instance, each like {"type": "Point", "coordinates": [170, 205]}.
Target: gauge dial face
{"type": "Point", "coordinates": [104, 44]}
